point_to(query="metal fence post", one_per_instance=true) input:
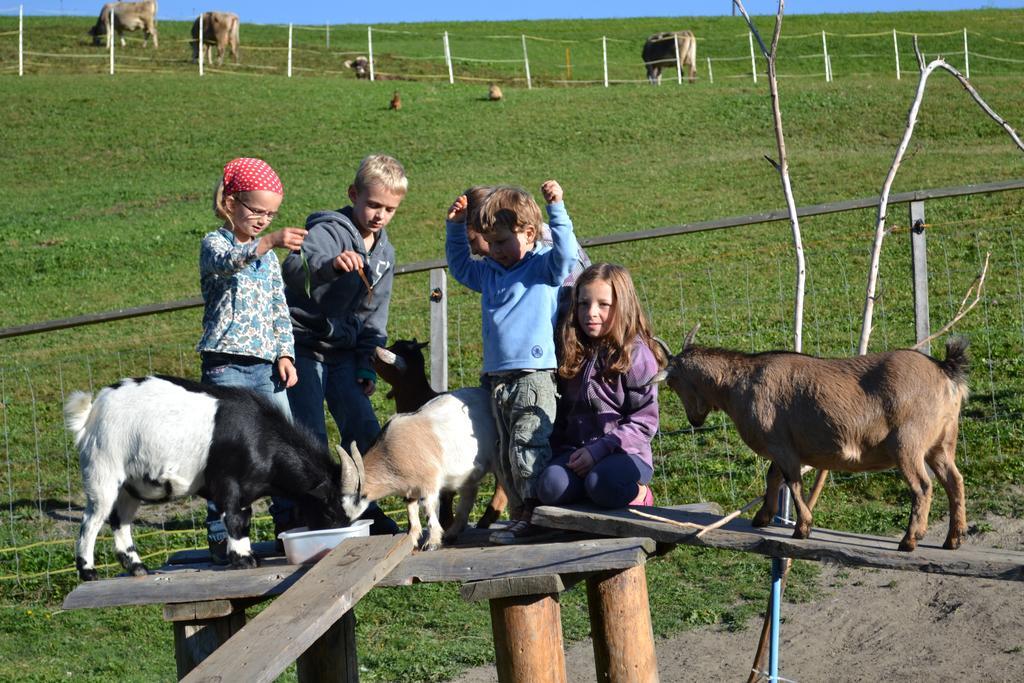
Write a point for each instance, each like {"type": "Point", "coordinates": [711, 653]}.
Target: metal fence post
{"type": "Point", "coordinates": [919, 259]}
{"type": "Point", "coordinates": [439, 329]}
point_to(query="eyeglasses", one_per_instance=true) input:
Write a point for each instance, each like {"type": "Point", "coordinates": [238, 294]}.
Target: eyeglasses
{"type": "Point", "coordinates": [258, 213]}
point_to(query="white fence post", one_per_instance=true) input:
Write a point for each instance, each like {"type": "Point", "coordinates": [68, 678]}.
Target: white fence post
{"type": "Point", "coordinates": [824, 49]}
{"type": "Point", "coordinates": [753, 63]}
{"type": "Point", "coordinates": [448, 59]}
{"type": "Point", "coordinates": [328, 29]}
{"type": "Point", "coordinates": [200, 44]}
{"type": "Point", "coordinates": [604, 58]}
{"type": "Point", "coordinates": [711, 74]}
{"type": "Point", "coordinates": [967, 59]}
{"type": "Point", "coordinates": [110, 38]}
{"type": "Point", "coordinates": [896, 48]}
{"type": "Point", "coordinates": [679, 65]}
{"type": "Point", "coordinates": [289, 50]}
{"type": "Point", "coordinates": [369, 47]}
{"type": "Point", "coordinates": [439, 329]}
{"type": "Point", "coordinates": [526, 63]}
{"type": "Point", "coordinates": [21, 40]}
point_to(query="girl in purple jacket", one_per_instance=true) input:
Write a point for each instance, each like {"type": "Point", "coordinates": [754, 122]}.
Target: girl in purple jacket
{"type": "Point", "coordinates": [607, 415]}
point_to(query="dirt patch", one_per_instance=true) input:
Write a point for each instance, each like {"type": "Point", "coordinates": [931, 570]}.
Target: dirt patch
{"type": "Point", "coordinates": [867, 625]}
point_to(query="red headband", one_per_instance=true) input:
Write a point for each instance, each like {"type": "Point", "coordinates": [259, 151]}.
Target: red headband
{"type": "Point", "coordinates": [246, 174]}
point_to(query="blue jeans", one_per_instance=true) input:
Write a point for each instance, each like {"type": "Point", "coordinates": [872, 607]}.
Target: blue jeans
{"type": "Point", "coordinates": [261, 376]}
{"type": "Point", "coordinates": [611, 483]}
{"type": "Point", "coordinates": [335, 382]}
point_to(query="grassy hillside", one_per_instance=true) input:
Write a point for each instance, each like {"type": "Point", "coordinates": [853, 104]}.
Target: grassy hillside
{"type": "Point", "coordinates": [107, 184]}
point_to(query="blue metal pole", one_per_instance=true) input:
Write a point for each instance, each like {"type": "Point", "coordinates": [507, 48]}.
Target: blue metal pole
{"type": "Point", "coordinates": [773, 651]}
{"type": "Point", "coordinates": [778, 566]}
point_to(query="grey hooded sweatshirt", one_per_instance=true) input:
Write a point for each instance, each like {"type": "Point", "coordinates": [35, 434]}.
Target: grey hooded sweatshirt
{"type": "Point", "coordinates": [339, 317]}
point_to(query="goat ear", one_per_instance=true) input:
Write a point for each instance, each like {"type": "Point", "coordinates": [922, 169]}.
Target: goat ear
{"type": "Point", "coordinates": [390, 358]}
{"type": "Point", "coordinates": [422, 345]}
{"type": "Point", "coordinates": [688, 339]}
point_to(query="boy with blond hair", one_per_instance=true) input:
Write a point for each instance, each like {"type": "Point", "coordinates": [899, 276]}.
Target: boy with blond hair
{"type": "Point", "coordinates": [338, 290]}
{"type": "Point", "coordinates": [518, 281]}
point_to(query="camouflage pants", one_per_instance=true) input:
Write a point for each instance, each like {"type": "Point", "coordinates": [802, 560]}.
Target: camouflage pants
{"type": "Point", "coordinates": [524, 409]}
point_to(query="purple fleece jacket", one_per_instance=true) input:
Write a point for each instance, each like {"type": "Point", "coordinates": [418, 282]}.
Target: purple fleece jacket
{"type": "Point", "coordinates": [609, 416]}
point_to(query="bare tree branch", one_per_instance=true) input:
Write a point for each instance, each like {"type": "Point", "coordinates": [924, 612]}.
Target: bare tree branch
{"type": "Point", "coordinates": [876, 250]}
{"type": "Point", "coordinates": [964, 309]}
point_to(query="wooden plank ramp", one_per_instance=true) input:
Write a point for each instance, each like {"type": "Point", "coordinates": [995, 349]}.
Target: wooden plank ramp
{"type": "Point", "coordinates": [824, 545]}
{"type": "Point", "coordinates": [286, 628]}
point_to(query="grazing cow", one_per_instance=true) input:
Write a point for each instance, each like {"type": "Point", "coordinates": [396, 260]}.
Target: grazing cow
{"type": "Point", "coordinates": [660, 52]}
{"type": "Point", "coordinates": [128, 16]}
{"type": "Point", "coordinates": [220, 29]}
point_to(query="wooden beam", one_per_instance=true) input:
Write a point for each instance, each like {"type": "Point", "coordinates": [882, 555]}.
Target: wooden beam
{"type": "Point", "coordinates": [190, 584]}
{"type": "Point", "coordinates": [511, 586]}
{"type": "Point", "coordinates": [285, 629]}
{"type": "Point", "coordinates": [195, 640]}
{"type": "Point", "coordinates": [824, 545]}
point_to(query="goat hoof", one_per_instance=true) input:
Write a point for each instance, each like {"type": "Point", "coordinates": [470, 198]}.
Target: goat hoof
{"type": "Point", "coordinates": [908, 544]}
{"type": "Point", "coordinates": [242, 561]}
{"type": "Point", "coordinates": [449, 539]}
{"type": "Point", "coordinates": [760, 519]}
{"type": "Point", "coordinates": [488, 518]}
{"type": "Point", "coordinates": [138, 569]}
{"type": "Point", "coordinates": [953, 542]}
{"type": "Point", "coordinates": [801, 533]}
{"type": "Point", "coordinates": [87, 574]}
{"type": "Point", "coordinates": [430, 547]}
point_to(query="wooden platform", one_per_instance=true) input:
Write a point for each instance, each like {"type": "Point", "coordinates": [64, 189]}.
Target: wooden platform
{"type": "Point", "coordinates": [190, 583]}
{"type": "Point", "coordinates": [824, 545]}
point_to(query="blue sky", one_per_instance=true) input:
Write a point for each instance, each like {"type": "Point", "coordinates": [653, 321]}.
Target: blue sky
{"type": "Point", "coordinates": [392, 11]}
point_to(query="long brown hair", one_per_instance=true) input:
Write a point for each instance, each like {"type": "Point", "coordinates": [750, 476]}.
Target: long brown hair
{"type": "Point", "coordinates": [628, 323]}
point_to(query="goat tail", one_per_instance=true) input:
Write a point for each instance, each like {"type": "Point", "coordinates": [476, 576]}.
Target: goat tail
{"type": "Point", "coordinates": [76, 412]}
{"type": "Point", "coordinates": [957, 364]}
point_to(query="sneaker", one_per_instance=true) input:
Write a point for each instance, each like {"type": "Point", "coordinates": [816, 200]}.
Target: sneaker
{"type": "Point", "coordinates": [521, 531]}
{"type": "Point", "coordinates": [646, 499]}
{"type": "Point", "coordinates": [218, 551]}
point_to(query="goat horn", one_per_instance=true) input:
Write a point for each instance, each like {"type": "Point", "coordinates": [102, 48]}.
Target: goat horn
{"type": "Point", "coordinates": [688, 339]}
{"type": "Point", "coordinates": [349, 476]}
{"type": "Point", "coordinates": [357, 459]}
{"type": "Point", "coordinates": [390, 358]}
{"type": "Point", "coordinates": [663, 345]}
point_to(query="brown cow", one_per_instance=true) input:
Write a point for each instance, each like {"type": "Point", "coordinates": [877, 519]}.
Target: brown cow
{"type": "Point", "coordinates": [128, 16]}
{"type": "Point", "coordinates": [660, 52]}
{"type": "Point", "coordinates": [220, 29]}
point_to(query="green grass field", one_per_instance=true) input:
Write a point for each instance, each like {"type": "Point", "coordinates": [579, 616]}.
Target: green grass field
{"type": "Point", "coordinates": [107, 184]}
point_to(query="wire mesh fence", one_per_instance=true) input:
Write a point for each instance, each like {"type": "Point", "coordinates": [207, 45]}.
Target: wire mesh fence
{"type": "Point", "coordinates": [597, 54]}
{"type": "Point", "coordinates": [737, 283]}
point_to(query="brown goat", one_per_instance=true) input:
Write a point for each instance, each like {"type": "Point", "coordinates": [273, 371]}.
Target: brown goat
{"type": "Point", "coordinates": [860, 414]}
{"type": "Point", "coordinates": [403, 367]}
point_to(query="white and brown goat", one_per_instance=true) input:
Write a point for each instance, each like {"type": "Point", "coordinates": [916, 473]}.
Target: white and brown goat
{"type": "Point", "coordinates": [447, 445]}
{"type": "Point", "coordinates": [866, 413]}
{"type": "Point", "coordinates": [403, 366]}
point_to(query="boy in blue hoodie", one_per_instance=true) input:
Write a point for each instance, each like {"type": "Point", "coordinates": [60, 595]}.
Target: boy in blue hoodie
{"type": "Point", "coordinates": [338, 290]}
{"type": "Point", "coordinates": [518, 281]}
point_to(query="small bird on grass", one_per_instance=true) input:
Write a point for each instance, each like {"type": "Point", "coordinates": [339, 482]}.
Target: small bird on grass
{"type": "Point", "coordinates": [494, 93]}
{"type": "Point", "coordinates": [396, 102]}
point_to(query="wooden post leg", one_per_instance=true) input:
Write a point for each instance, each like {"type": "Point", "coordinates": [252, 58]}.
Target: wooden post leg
{"type": "Point", "coordinates": [200, 628]}
{"type": "Point", "coordinates": [332, 658]}
{"type": "Point", "coordinates": [528, 639]}
{"type": "Point", "coordinates": [620, 625]}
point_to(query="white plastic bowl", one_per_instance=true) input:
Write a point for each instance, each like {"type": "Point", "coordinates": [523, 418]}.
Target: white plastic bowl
{"type": "Point", "coordinates": [303, 547]}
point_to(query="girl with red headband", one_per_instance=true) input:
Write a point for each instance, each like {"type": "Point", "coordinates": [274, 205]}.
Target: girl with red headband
{"type": "Point", "coordinates": [247, 331]}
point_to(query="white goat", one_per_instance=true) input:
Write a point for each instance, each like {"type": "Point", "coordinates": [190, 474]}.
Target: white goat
{"type": "Point", "coordinates": [446, 445]}
{"type": "Point", "coordinates": [866, 413]}
{"type": "Point", "coordinates": [158, 438]}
